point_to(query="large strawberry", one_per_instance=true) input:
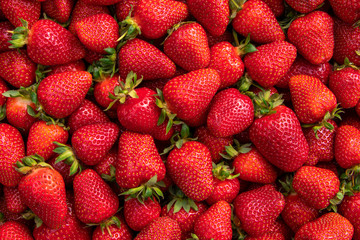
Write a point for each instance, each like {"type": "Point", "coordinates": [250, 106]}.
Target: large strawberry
{"type": "Point", "coordinates": [347, 146]}
{"type": "Point", "coordinates": [348, 11]}
{"type": "Point", "coordinates": [12, 149]}
{"type": "Point", "coordinates": [12, 230]}
{"type": "Point", "coordinates": [162, 228]}
{"type": "Point", "coordinates": [350, 209]}
{"type": "Point", "coordinates": [275, 60]}
{"type": "Point", "coordinates": [14, 10]}
{"type": "Point", "coordinates": [313, 36]}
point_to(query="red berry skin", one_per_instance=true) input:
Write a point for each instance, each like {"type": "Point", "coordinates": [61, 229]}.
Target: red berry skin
{"type": "Point", "coordinates": [225, 190]}
{"type": "Point", "coordinates": [3, 88]}
{"type": "Point", "coordinates": [103, 88]}
{"type": "Point", "coordinates": [28, 10]}
{"type": "Point", "coordinates": [13, 200]}
{"type": "Point", "coordinates": [350, 209]}
{"type": "Point", "coordinates": [305, 6]}
{"type": "Point", "coordinates": [5, 36]}
{"type": "Point", "coordinates": [162, 228]}
{"type": "Point", "coordinates": [230, 113]}
{"type": "Point", "coordinates": [316, 186]}
{"type": "Point", "coordinates": [12, 149]}
{"type": "Point", "coordinates": [138, 215]}
{"type": "Point", "coordinates": [68, 67]}
{"type": "Point", "coordinates": [51, 44]}
{"type": "Point", "coordinates": [257, 19]}
{"type": "Point", "coordinates": [276, 6]}
{"type": "Point", "coordinates": [348, 11]}
{"type": "Point", "coordinates": [188, 47]}
{"type": "Point", "coordinates": [226, 37]}
{"type": "Point", "coordinates": [94, 199]}
{"type": "Point", "coordinates": [60, 10]}
{"type": "Point", "coordinates": [12, 230]}
{"type": "Point", "coordinates": [123, 7]}
{"type": "Point", "coordinates": [117, 233]}
{"type": "Point", "coordinates": [17, 68]}
{"type": "Point", "coordinates": [347, 146]}
{"type": "Point", "coordinates": [17, 115]}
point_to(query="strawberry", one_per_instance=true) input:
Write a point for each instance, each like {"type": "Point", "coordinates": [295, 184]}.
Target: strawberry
{"type": "Point", "coordinates": [87, 113]}
{"type": "Point", "coordinates": [188, 46]}
{"type": "Point", "coordinates": [296, 213]}
{"type": "Point", "coordinates": [162, 228]}
{"type": "Point", "coordinates": [102, 89]}
{"type": "Point", "coordinates": [316, 186]}
{"type": "Point", "coordinates": [145, 60]}
{"type": "Point", "coordinates": [5, 35]}
{"type": "Point", "coordinates": [101, 2]}
{"type": "Point", "coordinates": [329, 226]}
{"type": "Point", "coordinates": [313, 36]}
{"type": "Point", "coordinates": [196, 184]}
{"type": "Point", "coordinates": [311, 98]}
{"type": "Point", "coordinates": [349, 208]}
{"type": "Point", "coordinates": [304, 6]}
{"type": "Point", "coordinates": [120, 232]}
{"type": "Point", "coordinates": [345, 84]}
{"type": "Point", "coordinates": [123, 8]}
{"type": "Point", "coordinates": [140, 214]}
{"type": "Point", "coordinates": [275, 59]}
{"type": "Point", "coordinates": [348, 11]}
{"type": "Point", "coordinates": [98, 32]}
{"type": "Point", "coordinates": [94, 199]}
{"type": "Point", "coordinates": [257, 19]}
{"type": "Point", "coordinates": [215, 222]}
{"type": "Point", "coordinates": [280, 139]}
{"type": "Point", "coordinates": [14, 10]}
{"type": "Point", "coordinates": [42, 189]}
{"type": "Point", "coordinates": [82, 10]}
{"type": "Point", "coordinates": [258, 209]}
{"type": "Point", "coordinates": [13, 200]}
{"type": "Point", "coordinates": [41, 139]}
{"type": "Point", "coordinates": [303, 67]}
{"type": "Point", "coordinates": [60, 10]}
{"type": "Point", "coordinates": [347, 146]}
{"type": "Point", "coordinates": [48, 43]}
{"type": "Point", "coordinates": [12, 149]}
{"type": "Point", "coordinates": [230, 113]}
{"type": "Point", "coordinates": [63, 89]}
{"type": "Point", "coordinates": [267, 236]}
{"type": "Point", "coordinates": [213, 15]}
{"type": "Point", "coordinates": [136, 167]}
{"type": "Point", "coordinates": [69, 67]}
{"type": "Point", "coordinates": [17, 68]}
{"type": "Point", "coordinates": [276, 6]}
{"type": "Point", "coordinates": [13, 230]}
{"type": "Point", "coordinates": [189, 95]}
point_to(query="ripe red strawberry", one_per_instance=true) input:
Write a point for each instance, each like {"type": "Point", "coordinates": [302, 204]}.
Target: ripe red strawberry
{"type": "Point", "coordinates": [257, 19]}
{"type": "Point", "coordinates": [104, 87]}
{"type": "Point", "coordinates": [276, 6]}
{"type": "Point", "coordinates": [302, 66]}
{"type": "Point", "coordinates": [94, 199]}
{"type": "Point", "coordinates": [13, 200]}
{"type": "Point", "coordinates": [348, 11]}
{"type": "Point", "coordinates": [189, 95]}
{"type": "Point", "coordinates": [305, 6]}
{"type": "Point", "coordinates": [140, 214]}
{"type": "Point", "coordinates": [12, 149]}
{"type": "Point", "coordinates": [145, 60]}
{"type": "Point", "coordinates": [347, 146]}
{"type": "Point", "coordinates": [280, 139]}
{"type": "Point", "coordinates": [258, 209]}
{"type": "Point", "coordinates": [68, 67]}
{"type": "Point", "coordinates": [215, 222]}
{"type": "Point", "coordinates": [42, 189]}
{"type": "Point", "coordinates": [82, 10]}
{"type": "Point", "coordinates": [121, 232]}
{"type": "Point", "coordinates": [345, 84]}
{"type": "Point", "coordinates": [213, 15]}
{"type": "Point", "coordinates": [313, 36]}
{"type": "Point", "coordinates": [41, 139]}
{"type": "Point", "coordinates": [296, 213]}
{"type": "Point", "coordinates": [350, 209]}
{"type": "Point", "coordinates": [188, 47]}
{"type": "Point", "coordinates": [225, 58]}
{"type": "Point", "coordinates": [48, 43]}
{"type": "Point", "coordinates": [100, 2]}
{"type": "Point", "coordinates": [123, 7]}
{"type": "Point", "coordinates": [16, 113]}
{"type": "Point", "coordinates": [347, 42]}
{"type": "Point", "coordinates": [197, 183]}
{"type": "Point", "coordinates": [162, 228]}
{"type": "Point", "coordinates": [275, 60]}
{"type": "Point", "coordinates": [329, 226]}
{"type": "Point", "coordinates": [136, 167]}
{"type": "Point", "coordinates": [316, 186]}
{"type": "Point", "coordinates": [60, 10]}
{"type": "Point", "coordinates": [5, 35]}
{"type": "Point", "coordinates": [98, 32]}
{"type": "Point", "coordinates": [13, 230]}
{"type": "Point", "coordinates": [311, 98]}
{"type": "Point", "coordinates": [230, 113]}
{"type": "Point", "coordinates": [321, 144]}
{"type": "Point", "coordinates": [63, 89]}
{"type": "Point", "coordinates": [17, 68]}
{"type": "Point", "coordinates": [28, 10]}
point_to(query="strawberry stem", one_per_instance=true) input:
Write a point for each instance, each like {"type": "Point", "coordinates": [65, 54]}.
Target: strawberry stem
{"type": "Point", "coordinates": [19, 36]}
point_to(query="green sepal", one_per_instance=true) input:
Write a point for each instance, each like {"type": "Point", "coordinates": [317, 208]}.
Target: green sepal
{"type": "Point", "coordinates": [129, 29]}
{"type": "Point", "coordinates": [245, 46]}
{"type": "Point", "coordinates": [244, 84]}
{"type": "Point", "coordinates": [28, 163]}
{"type": "Point", "coordinates": [286, 185]}
{"type": "Point", "coordinates": [346, 64]}
{"type": "Point", "coordinates": [264, 103]}
{"type": "Point", "coordinates": [66, 154]}
{"type": "Point", "coordinates": [20, 34]}
{"type": "Point", "coordinates": [178, 139]}
{"type": "Point", "coordinates": [235, 7]}
{"type": "Point", "coordinates": [180, 201]}
{"type": "Point", "coordinates": [107, 223]}
{"type": "Point", "coordinates": [105, 66]}
{"type": "Point", "coordinates": [41, 72]}
{"type": "Point", "coordinates": [222, 171]}
{"type": "Point", "coordinates": [2, 112]}
{"type": "Point", "coordinates": [111, 177]}
{"type": "Point", "coordinates": [233, 151]}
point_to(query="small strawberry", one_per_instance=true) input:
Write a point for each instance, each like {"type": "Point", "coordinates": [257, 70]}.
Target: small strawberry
{"type": "Point", "coordinates": [94, 199]}
{"type": "Point", "coordinates": [12, 149]}
{"type": "Point", "coordinates": [69, 67]}
{"type": "Point", "coordinates": [215, 222]}
{"type": "Point", "coordinates": [256, 18]}
{"type": "Point", "coordinates": [313, 36]}
{"type": "Point", "coordinates": [60, 10]}
{"type": "Point", "coordinates": [188, 46]}
{"type": "Point", "coordinates": [12, 230]}
{"type": "Point", "coordinates": [5, 35]}
{"type": "Point", "coordinates": [275, 60]}
{"type": "Point", "coordinates": [348, 11]}
{"type": "Point", "coordinates": [258, 209]}
{"type": "Point", "coordinates": [162, 228]}
{"type": "Point", "coordinates": [14, 10]}
{"type": "Point", "coordinates": [13, 200]}
{"type": "Point", "coordinates": [305, 6]}
{"type": "Point", "coordinates": [329, 226]}
{"type": "Point", "coordinates": [350, 209]}
{"type": "Point", "coordinates": [347, 146]}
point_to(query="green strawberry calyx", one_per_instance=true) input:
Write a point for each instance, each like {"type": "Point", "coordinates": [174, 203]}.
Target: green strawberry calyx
{"type": "Point", "coordinates": [245, 46]}
{"type": "Point", "coordinates": [234, 151]}
{"type": "Point", "coordinates": [346, 188]}
{"type": "Point", "coordinates": [223, 171]}
{"type": "Point", "coordinates": [114, 220]}
{"type": "Point", "coordinates": [19, 36]}
{"type": "Point", "coordinates": [265, 102]}
{"type": "Point", "coordinates": [346, 64]}
{"type": "Point", "coordinates": [28, 215]}
{"type": "Point", "coordinates": [110, 177]}
{"type": "Point", "coordinates": [66, 154]}
{"type": "Point", "coordinates": [286, 185]}
{"type": "Point", "coordinates": [30, 163]}
{"type": "Point", "coordinates": [178, 139]}
{"type": "Point", "coordinates": [105, 66]}
{"type": "Point", "coordinates": [2, 112]}
{"type": "Point", "coordinates": [129, 29]}
{"type": "Point", "coordinates": [235, 7]}
{"type": "Point", "coordinates": [180, 201]}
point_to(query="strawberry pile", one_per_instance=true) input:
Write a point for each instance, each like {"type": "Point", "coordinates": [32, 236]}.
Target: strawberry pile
{"type": "Point", "coordinates": [179, 119]}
